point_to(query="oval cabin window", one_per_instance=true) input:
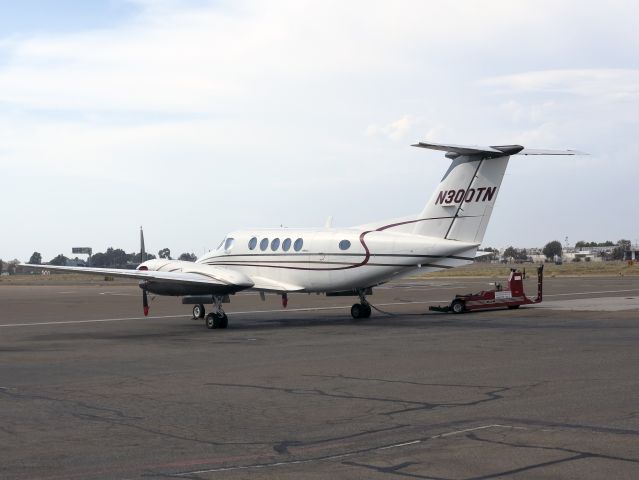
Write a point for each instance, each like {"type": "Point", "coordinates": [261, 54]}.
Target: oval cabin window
{"type": "Point", "coordinates": [299, 243]}
{"type": "Point", "coordinates": [286, 244]}
{"type": "Point", "coordinates": [344, 245]}
{"type": "Point", "coordinates": [275, 244]}
{"type": "Point", "coordinates": [252, 243]}
{"type": "Point", "coordinates": [264, 244]}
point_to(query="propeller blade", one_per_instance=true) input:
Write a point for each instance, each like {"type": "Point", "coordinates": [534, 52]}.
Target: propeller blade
{"type": "Point", "coordinates": [142, 252]}
{"type": "Point", "coordinates": [145, 302]}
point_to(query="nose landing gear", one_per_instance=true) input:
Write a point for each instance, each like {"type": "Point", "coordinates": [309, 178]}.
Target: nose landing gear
{"type": "Point", "coordinates": [218, 318]}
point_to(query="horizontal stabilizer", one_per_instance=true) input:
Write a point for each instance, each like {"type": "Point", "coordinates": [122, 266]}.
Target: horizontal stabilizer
{"type": "Point", "coordinates": [493, 151]}
{"type": "Point", "coordinates": [533, 151]}
{"type": "Point", "coordinates": [460, 149]}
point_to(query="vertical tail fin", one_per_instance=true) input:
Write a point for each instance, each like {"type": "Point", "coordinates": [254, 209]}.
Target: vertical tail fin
{"type": "Point", "coordinates": [461, 206]}
{"type": "Point", "coordinates": [463, 202]}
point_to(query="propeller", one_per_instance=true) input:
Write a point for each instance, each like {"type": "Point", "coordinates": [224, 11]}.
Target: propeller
{"type": "Point", "coordinates": [145, 298]}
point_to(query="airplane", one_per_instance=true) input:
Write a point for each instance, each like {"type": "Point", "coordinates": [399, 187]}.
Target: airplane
{"type": "Point", "coordinates": [339, 261]}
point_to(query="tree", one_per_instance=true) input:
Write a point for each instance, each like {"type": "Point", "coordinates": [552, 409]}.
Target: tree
{"type": "Point", "coordinates": [99, 259]}
{"type": "Point", "coordinates": [36, 258]}
{"type": "Point", "coordinates": [619, 252]}
{"type": "Point", "coordinates": [188, 257]}
{"type": "Point", "coordinates": [59, 260]}
{"type": "Point", "coordinates": [165, 253]}
{"type": "Point", "coordinates": [116, 257]}
{"type": "Point", "coordinates": [12, 265]}
{"type": "Point", "coordinates": [1, 266]}
{"type": "Point", "coordinates": [510, 252]}
{"type": "Point", "coordinates": [551, 249]}
{"type": "Point", "coordinates": [582, 244]}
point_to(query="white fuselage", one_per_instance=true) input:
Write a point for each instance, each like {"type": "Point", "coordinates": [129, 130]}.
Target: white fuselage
{"type": "Point", "coordinates": [332, 260]}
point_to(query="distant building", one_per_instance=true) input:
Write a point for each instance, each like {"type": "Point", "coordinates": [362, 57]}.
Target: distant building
{"type": "Point", "coordinates": [632, 254]}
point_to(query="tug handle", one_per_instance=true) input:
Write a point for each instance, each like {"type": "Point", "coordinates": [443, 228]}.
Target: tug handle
{"type": "Point", "coordinates": [540, 283]}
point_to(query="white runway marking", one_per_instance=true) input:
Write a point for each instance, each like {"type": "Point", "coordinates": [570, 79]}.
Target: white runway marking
{"type": "Point", "coordinates": [67, 322]}
{"type": "Point", "coordinates": [339, 455]}
{"type": "Point", "coordinates": [591, 293]}
{"type": "Point", "coordinates": [248, 312]}
{"type": "Point", "coordinates": [307, 309]}
{"type": "Point", "coordinates": [120, 294]}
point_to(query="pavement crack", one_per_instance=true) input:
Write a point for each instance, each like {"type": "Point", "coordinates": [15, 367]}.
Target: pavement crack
{"type": "Point", "coordinates": [575, 454]}
{"type": "Point", "coordinates": [394, 470]}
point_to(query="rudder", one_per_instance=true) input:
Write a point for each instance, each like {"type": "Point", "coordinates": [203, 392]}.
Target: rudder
{"type": "Point", "coordinates": [462, 204]}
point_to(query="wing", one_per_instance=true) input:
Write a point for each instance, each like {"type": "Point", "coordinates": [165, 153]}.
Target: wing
{"type": "Point", "coordinates": [200, 275]}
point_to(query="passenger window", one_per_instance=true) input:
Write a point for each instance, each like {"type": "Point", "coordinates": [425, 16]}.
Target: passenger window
{"type": "Point", "coordinates": [299, 243]}
{"type": "Point", "coordinates": [252, 243]}
{"type": "Point", "coordinates": [264, 244]}
{"type": "Point", "coordinates": [275, 244]}
{"type": "Point", "coordinates": [286, 244]}
{"type": "Point", "coordinates": [228, 244]}
{"type": "Point", "coordinates": [344, 245]}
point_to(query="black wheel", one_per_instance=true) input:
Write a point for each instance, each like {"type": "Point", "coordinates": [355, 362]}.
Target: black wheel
{"type": "Point", "coordinates": [199, 311]}
{"type": "Point", "coordinates": [457, 306]}
{"type": "Point", "coordinates": [367, 311]}
{"type": "Point", "coordinates": [357, 310]}
{"type": "Point", "coordinates": [217, 320]}
{"type": "Point", "coordinates": [513, 307]}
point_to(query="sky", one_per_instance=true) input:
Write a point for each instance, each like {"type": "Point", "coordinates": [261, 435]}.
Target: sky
{"type": "Point", "coordinates": [196, 118]}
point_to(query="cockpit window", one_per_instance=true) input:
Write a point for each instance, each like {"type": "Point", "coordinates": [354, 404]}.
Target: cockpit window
{"type": "Point", "coordinates": [228, 244]}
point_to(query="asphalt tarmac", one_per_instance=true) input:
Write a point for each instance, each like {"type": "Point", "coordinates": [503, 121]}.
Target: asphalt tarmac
{"type": "Point", "coordinates": [89, 388]}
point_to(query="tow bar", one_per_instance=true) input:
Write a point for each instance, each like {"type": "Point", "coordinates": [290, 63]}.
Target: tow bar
{"type": "Point", "coordinates": [511, 296]}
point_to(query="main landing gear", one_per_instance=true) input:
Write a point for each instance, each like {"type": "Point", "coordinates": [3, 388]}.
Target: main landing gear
{"type": "Point", "coordinates": [362, 309]}
{"type": "Point", "coordinates": [218, 318]}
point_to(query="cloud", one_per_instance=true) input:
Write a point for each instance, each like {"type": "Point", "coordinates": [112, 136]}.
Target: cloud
{"type": "Point", "coordinates": [394, 130]}
{"type": "Point", "coordinates": [281, 103]}
{"type": "Point", "coordinates": [605, 84]}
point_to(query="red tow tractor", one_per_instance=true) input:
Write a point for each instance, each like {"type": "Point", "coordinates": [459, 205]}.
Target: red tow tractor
{"type": "Point", "coordinates": [511, 296]}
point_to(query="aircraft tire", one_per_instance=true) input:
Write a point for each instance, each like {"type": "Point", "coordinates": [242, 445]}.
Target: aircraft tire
{"type": "Point", "coordinates": [217, 320]}
{"type": "Point", "coordinates": [198, 311]}
{"type": "Point", "coordinates": [513, 307]}
{"type": "Point", "coordinates": [457, 306]}
{"type": "Point", "coordinates": [360, 310]}
{"type": "Point", "coordinates": [211, 321]}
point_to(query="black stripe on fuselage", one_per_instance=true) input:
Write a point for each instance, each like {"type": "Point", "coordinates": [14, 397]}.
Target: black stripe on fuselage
{"type": "Point", "coordinates": [393, 255]}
